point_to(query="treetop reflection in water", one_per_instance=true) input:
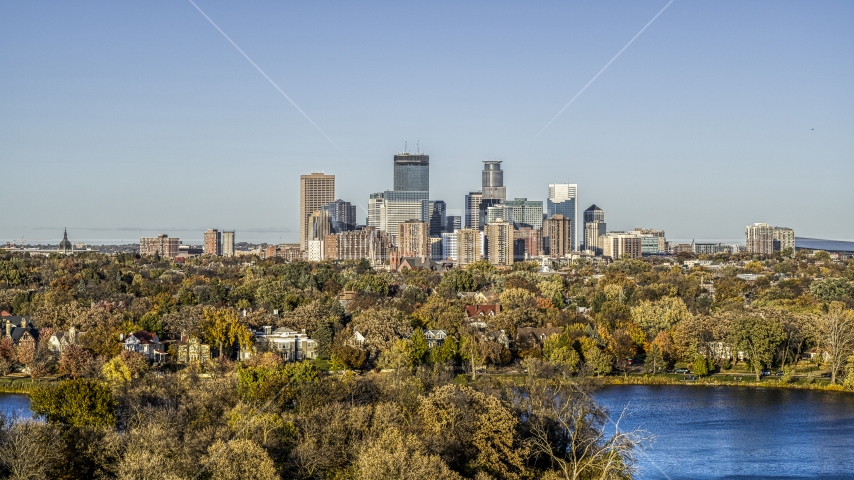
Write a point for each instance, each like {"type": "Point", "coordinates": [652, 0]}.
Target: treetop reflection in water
{"type": "Point", "coordinates": [732, 432]}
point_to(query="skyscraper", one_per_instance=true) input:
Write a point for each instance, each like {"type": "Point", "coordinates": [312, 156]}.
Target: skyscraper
{"type": "Point", "coordinates": [433, 212]}
{"type": "Point", "coordinates": [315, 191]}
{"type": "Point", "coordinates": [593, 214]}
{"type": "Point", "coordinates": [342, 216]}
{"type": "Point", "coordinates": [493, 180]}
{"type": "Point", "coordinates": [763, 238]}
{"type": "Point", "coordinates": [563, 200]}
{"type": "Point", "coordinates": [411, 172]}
{"type": "Point", "coordinates": [413, 239]}
{"type": "Point", "coordinates": [472, 210]}
{"type": "Point", "coordinates": [468, 246]}
{"type": "Point", "coordinates": [228, 243]}
{"type": "Point", "coordinates": [499, 241]}
{"type": "Point", "coordinates": [213, 242]}
{"type": "Point", "coordinates": [521, 212]}
{"type": "Point", "coordinates": [560, 233]}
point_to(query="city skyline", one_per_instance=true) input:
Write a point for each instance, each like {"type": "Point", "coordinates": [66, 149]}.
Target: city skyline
{"type": "Point", "coordinates": [698, 128]}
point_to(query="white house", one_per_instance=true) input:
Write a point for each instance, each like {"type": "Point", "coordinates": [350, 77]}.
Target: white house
{"type": "Point", "coordinates": [146, 343]}
{"type": "Point", "coordinates": [60, 340]}
{"type": "Point", "coordinates": [435, 338]}
{"type": "Point", "coordinates": [290, 344]}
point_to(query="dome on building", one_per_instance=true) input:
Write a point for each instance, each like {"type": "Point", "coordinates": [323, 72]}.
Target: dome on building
{"type": "Point", "coordinates": [65, 245]}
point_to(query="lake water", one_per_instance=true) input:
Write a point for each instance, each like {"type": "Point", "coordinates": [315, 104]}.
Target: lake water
{"type": "Point", "coordinates": [738, 432]}
{"type": "Point", "coordinates": [718, 432]}
{"type": "Point", "coordinates": [15, 404]}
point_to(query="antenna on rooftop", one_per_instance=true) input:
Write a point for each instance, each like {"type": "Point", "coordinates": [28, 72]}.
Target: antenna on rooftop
{"type": "Point", "coordinates": [404, 146]}
{"type": "Point", "coordinates": [418, 146]}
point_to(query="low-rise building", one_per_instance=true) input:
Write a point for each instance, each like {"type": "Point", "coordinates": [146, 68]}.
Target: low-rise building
{"type": "Point", "coordinates": [293, 346]}
{"type": "Point", "coordinates": [146, 343]}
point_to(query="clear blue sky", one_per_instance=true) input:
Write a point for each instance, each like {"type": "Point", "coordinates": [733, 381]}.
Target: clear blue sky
{"type": "Point", "coordinates": [119, 119]}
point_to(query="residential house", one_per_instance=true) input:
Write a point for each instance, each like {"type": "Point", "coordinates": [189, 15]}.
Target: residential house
{"type": "Point", "coordinates": [59, 341]}
{"type": "Point", "coordinates": [435, 338]}
{"type": "Point", "coordinates": [193, 351]}
{"type": "Point", "coordinates": [291, 345]}
{"type": "Point", "coordinates": [19, 329]}
{"type": "Point", "coordinates": [530, 337]}
{"type": "Point", "coordinates": [146, 343]}
{"type": "Point", "coordinates": [357, 340]}
{"type": "Point", "coordinates": [479, 314]}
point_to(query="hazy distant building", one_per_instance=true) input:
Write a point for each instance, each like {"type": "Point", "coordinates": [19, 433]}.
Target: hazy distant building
{"type": "Point", "coordinates": [563, 200]}
{"type": "Point", "coordinates": [594, 232]}
{"type": "Point", "coordinates": [499, 241]}
{"type": "Point", "coordinates": [468, 246]}
{"type": "Point", "coordinates": [653, 242]}
{"type": "Point", "coordinates": [342, 216]}
{"type": "Point", "coordinates": [228, 243]}
{"type": "Point", "coordinates": [472, 210]}
{"type": "Point", "coordinates": [433, 212]}
{"type": "Point", "coordinates": [436, 249]}
{"type": "Point", "coordinates": [160, 245]}
{"type": "Point", "coordinates": [213, 242]}
{"type": "Point", "coordinates": [618, 245]}
{"type": "Point", "coordinates": [413, 239]}
{"type": "Point", "coordinates": [526, 244]}
{"type": "Point", "coordinates": [453, 223]}
{"type": "Point", "coordinates": [493, 181]}
{"type": "Point", "coordinates": [594, 214]}
{"type": "Point", "coordinates": [521, 212]}
{"type": "Point", "coordinates": [316, 190]}
{"type": "Point", "coordinates": [319, 225]}
{"type": "Point", "coordinates": [386, 210]}
{"type": "Point", "coordinates": [784, 238]}
{"type": "Point", "coordinates": [449, 246]}
{"type": "Point", "coordinates": [760, 238]}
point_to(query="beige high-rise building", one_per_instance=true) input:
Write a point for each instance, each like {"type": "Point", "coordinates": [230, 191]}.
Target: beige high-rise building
{"type": "Point", "coordinates": [368, 243]}
{"type": "Point", "coordinates": [228, 243]}
{"type": "Point", "coordinates": [212, 244]}
{"type": "Point", "coordinates": [618, 245]}
{"type": "Point", "coordinates": [784, 238]}
{"type": "Point", "coordinates": [594, 232]}
{"type": "Point", "coordinates": [161, 245]}
{"type": "Point", "coordinates": [760, 238]}
{"type": "Point", "coordinates": [559, 235]}
{"type": "Point", "coordinates": [413, 239]}
{"type": "Point", "coordinates": [499, 242]}
{"type": "Point", "coordinates": [315, 191]}
{"type": "Point", "coordinates": [468, 246]}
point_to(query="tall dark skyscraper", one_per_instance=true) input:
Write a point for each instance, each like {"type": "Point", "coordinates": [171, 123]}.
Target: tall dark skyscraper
{"type": "Point", "coordinates": [433, 212]}
{"type": "Point", "coordinates": [342, 216]}
{"type": "Point", "coordinates": [411, 172]}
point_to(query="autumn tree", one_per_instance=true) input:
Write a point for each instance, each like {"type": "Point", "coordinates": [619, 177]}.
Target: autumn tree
{"type": "Point", "coordinates": [223, 327]}
{"type": "Point", "coordinates": [74, 360]}
{"type": "Point", "coordinates": [835, 332]}
{"type": "Point", "coordinates": [472, 431]}
{"type": "Point", "coordinates": [659, 315]}
{"type": "Point", "coordinates": [758, 337]}
{"type": "Point", "coordinates": [238, 459]}
{"type": "Point", "coordinates": [80, 402]}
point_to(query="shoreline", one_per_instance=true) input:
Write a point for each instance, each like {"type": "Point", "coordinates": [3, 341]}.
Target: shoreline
{"type": "Point", "coordinates": [711, 381]}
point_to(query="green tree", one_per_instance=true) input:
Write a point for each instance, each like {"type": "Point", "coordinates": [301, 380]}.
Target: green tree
{"type": "Point", "coordinates": [701, 366]}
{"type": "Point", "coordinates": [654, 362]}
{"type": "Point", "coordinates": [601, 362]}
{"type": "Point", "coordinates": [758, 338]}
{"type": "Point", "coordinates": [419, 346]}
{"type": "Point", "coordinates": [659, 315]}
{"type": "Point", "coordinates": [80, 402]}
{"type": "Point", "coordinates": [458, 280]}
{"type": "Point", "coordinates": [323, 338]}
{"type": "Point", "coordinates": [829, 289]}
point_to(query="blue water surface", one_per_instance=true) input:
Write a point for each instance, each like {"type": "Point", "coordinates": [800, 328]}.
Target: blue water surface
{"type": "Point", "coordinates": [738, 432]}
